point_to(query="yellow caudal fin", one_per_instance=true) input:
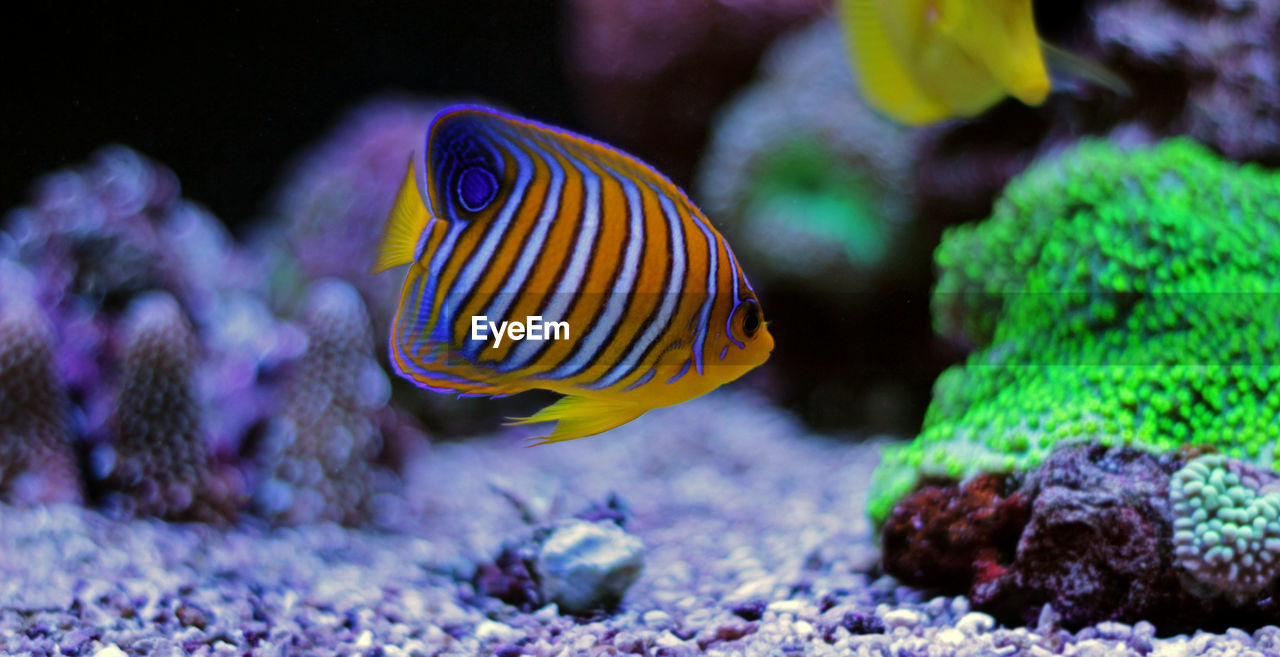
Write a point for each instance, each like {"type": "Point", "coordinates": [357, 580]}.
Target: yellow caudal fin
{"type": "Point", "coordinates": [578, 417]}
{"type": "Point", "coordinates": [404, 226]}
{"type": "Point", "coordinates": [887, 83]}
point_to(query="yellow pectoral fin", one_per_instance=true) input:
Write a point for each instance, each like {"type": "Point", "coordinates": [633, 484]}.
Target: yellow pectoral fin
{"type": "Point", "coordinates": [888, 84]}
{"type": "Point", "coordinates": [578, 417]}
{"type": "Point", "coordinates": [404, 227]}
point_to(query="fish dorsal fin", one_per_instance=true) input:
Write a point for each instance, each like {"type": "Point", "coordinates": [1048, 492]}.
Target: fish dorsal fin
{"type": "Point", "coordinates": [1073, 64]}
{"type": "Point", "coordinates": [404, 227]}
{"type": "Point", "coordinates": [887, 83]}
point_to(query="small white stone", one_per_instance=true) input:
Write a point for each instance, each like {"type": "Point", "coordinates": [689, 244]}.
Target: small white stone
{"type": "Point", "coordinates": [1113, 630]}
{"type": "Point", "coordinates": [667, 639]}
{"type": "Point", "coordinates": [949, 637]}
{"type": "Point", "coordinates": [110, 650]}
{"type": "Point", "coordinates": [490, 630]}
{"type": "Point", "coordinates": [657, 619]}
{"type": "Point", "coordinates": [365, 639]}
{"type": "Point", "coordinates": [583, 564]}
{"type": "Point", "coordinates": [786, 606]}
{"type": "Point", "coordinates": [975, 623]}
{"type": "Point", "coordinates": [1099, 648]}
{"type": "Point", "coordinates": [751, 590]}
{"type": "Point", "coordinates": [896, 618]}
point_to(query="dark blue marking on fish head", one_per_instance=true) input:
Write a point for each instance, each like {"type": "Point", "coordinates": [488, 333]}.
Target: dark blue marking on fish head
{"type": "Point", "coordinates": [476, 188]}
{"type": "Point", "coordinates": [464, 163]}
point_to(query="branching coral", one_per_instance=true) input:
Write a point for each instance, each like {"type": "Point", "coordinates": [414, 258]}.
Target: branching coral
{"type": "Point", "coordinates": [1114, 297]}
{"type": "Point", "coordinates": [1227, 524]}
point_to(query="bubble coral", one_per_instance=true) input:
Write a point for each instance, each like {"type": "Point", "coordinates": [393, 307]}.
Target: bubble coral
{"type": "Point", "coordinates": [1114, 298]}
{"type": "Point", "coordinates": [319, 452]}
{"type": "Point", "coordinates": [1226, 527]}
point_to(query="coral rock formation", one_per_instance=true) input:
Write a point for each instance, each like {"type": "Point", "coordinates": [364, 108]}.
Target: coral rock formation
{"type": "Point", "coordinates": [1116, 298]}
{"type": "Point", "coordinates": [159, 461]}
{"type": "Point", "coordinates": [36, 460]}
{"type": "Point", "coordinates": [318, 454]}
{"type": "Point", "coordinates": [1092, 536]}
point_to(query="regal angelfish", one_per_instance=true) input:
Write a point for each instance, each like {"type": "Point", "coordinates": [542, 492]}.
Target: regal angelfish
{"type": "Point", "coordinates": [642, 301]}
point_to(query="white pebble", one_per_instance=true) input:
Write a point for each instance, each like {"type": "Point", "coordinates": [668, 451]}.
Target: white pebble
{"type": "Point", "coordinates": [110, 650]}
{"type": "Point", "coordinates": [667, 639]}
{"type": "Point", "coordinates": [896, 618]}
{"type": "Point", "coordinates": [1170, 649]}
{"type": "Point", "coordinates": [493, 630]}
{"type": "Point", "coordinates": [657, 619]}
{"type": "Point", "coordinates": [1099, 648]}
{"type": "Point", "coordinates": [754, 589]}
{"type": "Point", "coordinates": [949, 637]}
{"type": "Point", "coordinates": [975, 623]}
{"type": "Point", "coordinates": [547, 613]}
{"type": "Point", "coordinates": [786, 606]}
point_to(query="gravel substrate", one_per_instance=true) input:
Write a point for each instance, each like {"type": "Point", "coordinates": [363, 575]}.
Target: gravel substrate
{"type": "Point", "coordinates": [756, 544]}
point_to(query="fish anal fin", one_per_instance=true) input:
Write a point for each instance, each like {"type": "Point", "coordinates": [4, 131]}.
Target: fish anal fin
{"type": "Point", "coordinates": [578, 417]}
{"type": "Point", "coordinates": [404, 227]}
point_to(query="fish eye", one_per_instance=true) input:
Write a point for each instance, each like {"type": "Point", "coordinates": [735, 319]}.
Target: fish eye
{"type": "Point", "coordinates": [476, 188]}
{"type": "Point", "coordinates": [751, 318]}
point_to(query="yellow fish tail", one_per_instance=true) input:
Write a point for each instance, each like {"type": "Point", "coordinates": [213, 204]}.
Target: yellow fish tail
{"type": "Point", "coordinates": [405, 224]}
{"type": "Point", "coordinates": [887, 82]}
{"type": "Point", "coordinates": [577, 417]}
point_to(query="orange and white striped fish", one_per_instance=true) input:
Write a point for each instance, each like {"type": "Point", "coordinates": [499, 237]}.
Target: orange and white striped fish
{"type": "Point", "coordinates": [544, 259]}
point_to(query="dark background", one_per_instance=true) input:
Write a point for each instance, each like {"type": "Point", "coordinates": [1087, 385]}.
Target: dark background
{"type": "Point", "coordinates": [226, 97]}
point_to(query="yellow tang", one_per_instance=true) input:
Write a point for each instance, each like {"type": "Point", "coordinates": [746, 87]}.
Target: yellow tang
{"type": "Point", "coordinates": [922, 61]}
{"type": "Point", "coordinates": [543, 259]}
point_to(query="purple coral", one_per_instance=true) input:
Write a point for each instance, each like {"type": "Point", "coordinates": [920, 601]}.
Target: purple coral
{"type": "Point", "coordinates": [318, 454]}
{"type": "Point", "coordinates": [159, 463]}
{"type": "Point", "coordinates": [101, 239]}
{"type": "Point", "coordinates": [335, 200]}
{"type": "Point", "coordinates": [98, 235]}
{"type": "Point", "coordinates": [37, 464]}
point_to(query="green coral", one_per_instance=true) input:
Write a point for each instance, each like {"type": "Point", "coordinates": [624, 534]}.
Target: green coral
{"type": "Point", "coordinates": [1226, 525]}
{"type": "Point", "coordinates": [1116, 297]}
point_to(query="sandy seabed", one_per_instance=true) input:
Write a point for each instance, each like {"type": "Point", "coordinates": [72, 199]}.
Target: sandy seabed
{"type": "Point", "coordinates": [756, 544]}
